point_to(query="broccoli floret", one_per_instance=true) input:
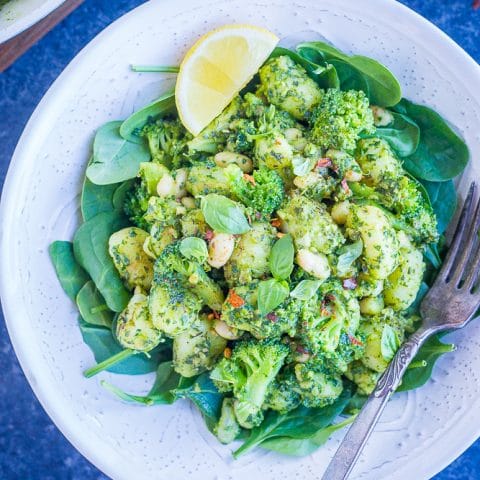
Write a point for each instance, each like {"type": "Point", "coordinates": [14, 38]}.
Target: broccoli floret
{"type": "Point", "coordinates": [263, 192]}
{"type": "Point", "coordinates": [240, 312]}
{"type": "Point", "coordinates": [191, 275]}
{"type": "Point", "coordinates": [241, 137]}
{"type": "Point", "coordinates": [193, 223]}
{"type": "Point", "coordinates": [411, 205]}
{"type": "Point", "coordinates": [249, 371]}
{"type": "Point", "coordinates": [286, 84]}
{"type": "Point", "coordinates": [340, 118]}
{"type": "Point", "coordinates": [282, 394]}
{"type": "Point", "coordinates": [227, 429]}
{"type": "Point", "coordinates": [363, 377]}
{"type": "Point", "coordinates": [167, 141]}
{"type": "Point", "coordinates": [197, 349]}
{"type": "Point", "coordinates": [145, 186]}
{"type": "Point", "coordinates": [164, 211]}
{"type": "Point", "coordinates": [318, 384]}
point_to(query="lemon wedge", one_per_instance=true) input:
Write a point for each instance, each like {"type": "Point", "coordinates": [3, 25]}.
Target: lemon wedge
{"type": "Point", "coordinates": [216, 68]}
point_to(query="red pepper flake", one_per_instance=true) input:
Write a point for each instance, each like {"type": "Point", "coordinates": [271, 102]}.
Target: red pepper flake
{"type": "Point", "coordinates": [330, 297]}
{"type": "Point", "coordinates": [235, 300]}
{"type": "Point", "coordinates": [216, 314]}
{"type": "Point", "coordinates": [476, 4]}
{"type": "Point", "coordinates": [345, 186]}
{"type": "Point", "coordinates": [249, 178]}
{"type": "Point", "coordinates": [275, 222]}
{"type": "Point", "coordinates": [350, 283]}
{"type": "Point", "coordinates": [272, 317]}
{"type": "Point", "coordinates": [324, 162]}
{"type": "Point", "coordinates": [355, 341]}
{"type": "Point", "coordinates": [227, 353]}
{"type": "Point", "coordinates": [209, 235]}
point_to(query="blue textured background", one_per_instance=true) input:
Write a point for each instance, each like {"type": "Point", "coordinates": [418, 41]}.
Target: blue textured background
{"type": "Point", "coordinates": [31, 447]}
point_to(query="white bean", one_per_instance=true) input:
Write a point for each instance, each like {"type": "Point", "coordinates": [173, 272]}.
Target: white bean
{"type": "Point", "coordinates": [316, 264]}
{"type": "Point", "coordinates": [166, 186]}
{"type": "Point", "coordinates": [225, 331]}
{"type": "Point", "coordinates": [188, 203]}
{"type": "Point", "coordinates": [220, 249]}
{"type": "Point", "coordinates": [180, 182]}
{"type": "Point", "coordinates": [353, 176]}
{"type": "Point", "coordinates": [381, 117]}
{"type": "Point", "coordinates": [340, 212]}
{"type": "Point", "coordinates": [223, 159]}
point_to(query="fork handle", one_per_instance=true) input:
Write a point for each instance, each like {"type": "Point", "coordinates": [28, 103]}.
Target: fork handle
{"type": "Point", "coordinates": [352, 445]}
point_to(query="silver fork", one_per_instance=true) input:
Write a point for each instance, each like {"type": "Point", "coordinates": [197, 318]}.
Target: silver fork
{"type": "Point", "coordinates": [449, 305]}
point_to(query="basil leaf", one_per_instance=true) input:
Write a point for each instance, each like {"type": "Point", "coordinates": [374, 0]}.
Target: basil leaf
{"type": "Point", "coordinates": [441, 154]}
{"type": "Point", "coordinates": [271, 293]}
{"type": "Point", "coordinates": [347, 255]}
{"type": "Point", "coordinates": [302, 166]}
{"type": "Point", "coordinates": [194, 248]}
{"type": "Point", "coordinates": [223, 215]}
{"type": "Point", "coordinates": [281, 258]}
{"type": "Point", "coordinates": [389, 343]}
{"type": "Point", "coordinates": [306, 289]}
{"type": "Point", "coordinates": [114, 158]}
{"type": "Point", "coordinates": [71, 275]}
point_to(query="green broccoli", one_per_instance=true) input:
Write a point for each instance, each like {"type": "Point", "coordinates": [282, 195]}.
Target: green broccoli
{"type": "Point", "coordinates": [340, 118]}
{"type": "Point", "coordinates": [282, 395]}
{"type": "Point", "coordinates": [249, 371]}
{"type": "Point", "coordinates": [191, 275]}
{"type": "Point", "coordinates": [263, 191]}
{"type": "Point", "coordinates": [145, 186]}
{"type": "Point", "coordinates": [167, 141]}
{"type": "Point", "coordinates": [227, 428]}
{"type": "Point", "coordinates": [318, 384]}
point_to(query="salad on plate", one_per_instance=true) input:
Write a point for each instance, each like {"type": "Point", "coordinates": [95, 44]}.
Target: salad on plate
{"type": "Point", "coordinates": [261, 237]}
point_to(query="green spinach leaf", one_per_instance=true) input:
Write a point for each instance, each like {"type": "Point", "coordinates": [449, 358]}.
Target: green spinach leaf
{"type": "Point", "coordinates": [131, 128]}
{"type": "Point", "coordinates": [441, 154]}
{"type": "Point", "coordinates": [92, 306]}
{"type": "Point", "coordinates": [382, 88]}
{"type": "Point", "coordinates": [71, 275]}
{"type": "Point", "coordinates": [271, 293]}
{"type": "Point", "coordinates": [402, 134]}
{"type": "Point", "coordinates": [281, 258]}
{"type": "Point", "coordinates": [96, 199]}
{"type": "Point", "coordinates": [114, 158]}
{"type": "Point", "coordinates": [301, 447]}
{"type": "Point", "coordinates": [103, 346]}
{"type": "Point", "coordinates": [223, 214]}
{"type": "Point", "coordinates": [300, 423]}
{"type": "Point", "coordinates": [120, 194]}
{"type": "Point", "coordinates": [431, 351]}
{"type": "Point", "coordinates": [350, 78]}
{"type": "Point", "coordinates": [443, 198]}
{"type": "Point", "coordinates": [90, 246]}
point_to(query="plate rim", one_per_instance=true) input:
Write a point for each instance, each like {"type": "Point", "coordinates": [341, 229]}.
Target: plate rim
{"type": "Point", "coordinates": [30, 135]}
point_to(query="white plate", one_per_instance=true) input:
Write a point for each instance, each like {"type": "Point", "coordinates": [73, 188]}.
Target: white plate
{"type": "Point", "coordinates": [420, 432]}
{"type": "Point", "coordinates": [18, 15]}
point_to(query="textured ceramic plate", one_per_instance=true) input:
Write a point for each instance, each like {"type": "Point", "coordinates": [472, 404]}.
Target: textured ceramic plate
{"type": "Point", "coordinates": [18, 15]}
{"type": "Point", "coordinates": [420, 432]}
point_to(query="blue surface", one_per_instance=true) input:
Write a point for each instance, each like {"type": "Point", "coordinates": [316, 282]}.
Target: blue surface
{"type": "Point", "coordinates": [31, 447]}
